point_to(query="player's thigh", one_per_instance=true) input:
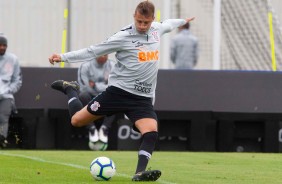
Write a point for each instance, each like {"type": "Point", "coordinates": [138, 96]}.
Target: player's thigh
{"type": "Point", "coordinates": [5, 110]}
{"type": "Point", "coordinates": [6, 106]}
{"type": "Point", "coordinates": [145, 125]}
{"type": "Point", "coordinates": [83, 117]}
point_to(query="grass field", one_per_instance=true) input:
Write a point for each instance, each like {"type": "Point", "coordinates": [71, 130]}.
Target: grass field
{"type": "Point", "coordinates": [22, 166]}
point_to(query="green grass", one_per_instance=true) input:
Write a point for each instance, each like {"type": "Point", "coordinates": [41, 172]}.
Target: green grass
{"type": "Point", "coordinates": [22, 166]}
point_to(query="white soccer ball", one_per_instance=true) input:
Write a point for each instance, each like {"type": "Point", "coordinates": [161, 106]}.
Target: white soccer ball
{"type": "Point", "coordinates": [102, 168]}
{"type": "Point", "coordinates": [98, 146]}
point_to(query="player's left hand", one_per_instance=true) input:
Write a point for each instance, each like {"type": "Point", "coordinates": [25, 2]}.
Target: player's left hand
{"type": "Point", "coordinates": [190, 19]}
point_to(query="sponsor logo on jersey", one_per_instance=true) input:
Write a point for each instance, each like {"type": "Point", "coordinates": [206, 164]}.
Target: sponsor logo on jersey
{"type": "Point", "coordinates": [138, 44]}
{"type": "Point", "coordinates": [95, 106]}
{"type": "Point", "coordinates": [147, 56]}
{"type": "Point", "coordinates": [142, 86]}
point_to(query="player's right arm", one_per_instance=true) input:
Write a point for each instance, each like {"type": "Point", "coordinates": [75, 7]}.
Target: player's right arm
{"type": "Point", "coordinates": [55, 58]}
{"type": "Point", "coordinates": [113, 44]}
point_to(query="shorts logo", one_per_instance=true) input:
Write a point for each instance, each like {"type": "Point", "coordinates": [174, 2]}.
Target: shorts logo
{"type": "Point", "coordinates": [95, 106]}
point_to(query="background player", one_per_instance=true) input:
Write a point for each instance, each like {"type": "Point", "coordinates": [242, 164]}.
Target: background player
{"type": "Point", "coordinates": [93, 79]}
{"type": "Point", "coordinates": [10, 83]}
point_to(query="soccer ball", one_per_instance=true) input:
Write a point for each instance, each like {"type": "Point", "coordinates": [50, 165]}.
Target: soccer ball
{"type": "Point", "coordinates": [98, 146]}
{"type": "Point", "coordinates": [102, 168]}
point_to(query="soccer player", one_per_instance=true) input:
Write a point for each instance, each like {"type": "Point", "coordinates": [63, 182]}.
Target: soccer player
{"type": "Point", "coordinates": [92, 78]}
{"type": "Point", "coordinates": [132, 82]}
{"type": "Point", "coordinates": [184, 49]}
{"type": "Point", "coordinates": [10, 83]}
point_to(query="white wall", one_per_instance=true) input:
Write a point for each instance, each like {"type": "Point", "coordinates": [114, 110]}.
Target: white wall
{"type": "Point", "coordinates": [34, 27]}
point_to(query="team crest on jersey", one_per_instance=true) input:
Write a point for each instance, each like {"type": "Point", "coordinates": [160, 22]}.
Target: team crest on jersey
{"type": "Point", "coordinates": [95, 106]}
{"type": "Point", "coordinates": [8, 68]}
{"type": "Point", "coordinates": [155, 35]}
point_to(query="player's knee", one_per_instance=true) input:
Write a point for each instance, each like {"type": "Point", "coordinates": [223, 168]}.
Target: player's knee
{"type": "Point", "coordinates": [4, 119]}
{"type": "Point", "coordinates": [75, 121]}
{"type": "Point", "coordinates": [150, 129]}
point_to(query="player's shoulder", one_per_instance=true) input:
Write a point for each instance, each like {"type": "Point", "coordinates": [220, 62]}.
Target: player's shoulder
{"type": "Point", "coordinates": [124, 32]}
{"type": "Point", "coordinates": [85, 65]}
{"type": "Point", "coordinates": [156, 25]}
{"type": "Point", "coordinates": [194, 38]}
{"type": "Point", "coordinates": [127, 29]}
{"type": "Point", "coordinates": [11, 56]}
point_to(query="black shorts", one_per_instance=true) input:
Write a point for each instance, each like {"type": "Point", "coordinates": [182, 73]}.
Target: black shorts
{"type": "Point", "coordinates": [115, 100]}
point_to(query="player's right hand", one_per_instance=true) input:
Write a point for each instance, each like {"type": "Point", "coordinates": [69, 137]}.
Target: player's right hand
{"type": "Point", "coordinates": [55, 58]}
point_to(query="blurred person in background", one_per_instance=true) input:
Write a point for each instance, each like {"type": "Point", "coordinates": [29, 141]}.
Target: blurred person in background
{"type": "Point", "coordinates": [93, 79]}
{"type": "Point", "coordinates": [132, 82]}
{"type": "Point", "coordinates": [10, 83]}
{"type": "Point", "coordinates": [184, 49]}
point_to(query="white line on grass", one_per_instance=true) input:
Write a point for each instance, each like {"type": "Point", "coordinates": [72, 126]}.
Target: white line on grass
{"type": "Point", "coordinates": [67, 164]}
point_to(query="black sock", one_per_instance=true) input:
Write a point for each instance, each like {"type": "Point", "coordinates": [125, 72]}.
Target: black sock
{"type": "Point", "coordinates": [74, 103]}
{"type": "Point", "coordinates": [71, 93]}
{"type": "Point", "coordinates": [146, 149]}
{"type": "Point", "coordinates": [108, 120]}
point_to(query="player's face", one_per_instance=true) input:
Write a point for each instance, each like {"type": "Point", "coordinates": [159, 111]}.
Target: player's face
{"type": "Point", "coordinates": [3, 48]}
{"type": "Point", "coordinates": [102, 59]}
{"type": "Point", "coordinates": [142, 23]}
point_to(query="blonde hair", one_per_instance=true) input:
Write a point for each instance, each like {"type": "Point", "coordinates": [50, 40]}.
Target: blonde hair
{"type": "Point", "coordinates": [145, 8]}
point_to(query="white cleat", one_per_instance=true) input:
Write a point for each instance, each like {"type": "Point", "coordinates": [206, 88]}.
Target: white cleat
{"type": "Point", "coordinates": [93, 134]}
{"type": "Point", "coordinates": [103, 134]}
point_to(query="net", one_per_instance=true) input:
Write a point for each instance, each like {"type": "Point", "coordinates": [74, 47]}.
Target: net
{"type": "Point", "coordinates": [245, 32]}
{"type": "Point", "coordinates": [246, 35]}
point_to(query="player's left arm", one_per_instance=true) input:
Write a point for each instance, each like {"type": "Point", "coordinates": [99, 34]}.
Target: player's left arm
{"type": "Point", "coordinates": [170, 24]}
{"type": "Point", "coordinates": [16, 80]}
{"type": "Point", "coordinates": [173, 51]}
{"type": "Point", "coordinates": [196, 50]}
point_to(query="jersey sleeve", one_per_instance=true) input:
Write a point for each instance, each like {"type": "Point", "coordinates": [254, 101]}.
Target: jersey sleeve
{"type": "Point", "coordinates": [113, 44]}
{"type": "Point", "coordinates": [82, 74]}
{"type": "Point", "coordinates": [16, 79]}
{"type": "Point", "coordinates": [173, 50]}
{"type": "Point", "coordinates": [170, 24]}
